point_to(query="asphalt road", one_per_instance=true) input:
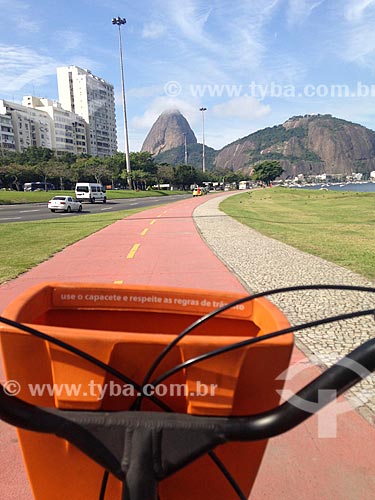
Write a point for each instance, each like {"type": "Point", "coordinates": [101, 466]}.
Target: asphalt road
{"type": "Point", "coordinates": [39, 211]}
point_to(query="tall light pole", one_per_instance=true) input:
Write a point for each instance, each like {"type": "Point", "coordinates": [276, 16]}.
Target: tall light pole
{"type": "Point", "coordinates": [185, 150]}
{"type": "Point", "coordinates": [203, 151]}
{"type": "Point", "coordinates": [119, 21]}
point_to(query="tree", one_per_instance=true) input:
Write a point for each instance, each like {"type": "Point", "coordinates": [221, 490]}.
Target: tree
{"type": "Point", "coordinates": [143, 161]}
{"type": "Point", "coordinates": [141, 179]}
{"type": "Point", "coordinates": [34, 155]}
{"type": "Point", "coordinates": [47, 170]}
{"type": "Point", "coordinates": [115, 164]}
{"type": "Point", "coordinates": [15, 174]}
{"type": "Point", "coordinates": [63, 172]}
{"type": "Point", "coordinates": [224, 175]}
{"type": "Point", "coordinates": [267, 171]}
{"type": "Point", "coordinates": [8, 157]}
{"type": "Point", "coordinates": [164, 174]}
{"type": "Point", "coordinates": [95, 167]}
{"type": "Point", "coordinates": [67, 158]}
{"type": "Point", "coordinates": [184, 176]}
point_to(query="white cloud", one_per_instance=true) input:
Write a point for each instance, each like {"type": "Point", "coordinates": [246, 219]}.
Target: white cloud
{"type": "Point", "coordinates": [245, 29]}
{"type": "Point", "coordinates": [21, 66]}
{"type": "Point", "coordinates": [24, 69]}
{"type": "Point", "coordinates": [217, 44]}
{"type": "Point", "coordinates": [300, 10]}
{"type": "Point", "coordinates": [161, 104]}
{"type": "Point", "coordinates": [153, 30]}
{"type": "Point", "coordinates": [19, 14]}
{"type": "Point", "coordinates": [252, 48]}
{"type": "Point", "coordinates": [189, 19]}
{"type": "Point", "coordinates": [282, 70]}
{"type": "Point", "coordinates": [70, 40]}
{"type": "Point", "coordinates": [244, 108]}
{"type": "Point", "coordinates": [356, 10]}
{"type": "Point", "coordinates": [360, 46]}
{"type": "Point", "coordinates": [359, 41]}
{"type": "Point", "coordinates": [27, 25]}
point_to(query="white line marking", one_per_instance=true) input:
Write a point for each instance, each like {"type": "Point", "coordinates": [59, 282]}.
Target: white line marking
{"type": "Point", "coordinates": [10, 218]}
{"type": "Point", "coordinates": [26, 211]}
{"type": "Point", "coordinates": [108, 208]}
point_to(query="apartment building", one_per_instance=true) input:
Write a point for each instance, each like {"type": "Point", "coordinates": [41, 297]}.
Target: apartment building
{"type": "Point", "coordinates": [92, 98]}
{"type": "Point", "coordinates": [26, 127]}
{"type": "Point", "coordinates": [70, 131]}
{"type": "Point", "coordinates": [43, 123]}
{"type": "Point", "coordinates": [83, 121]}
{"type": "Point", "coordinates": [7, 140]}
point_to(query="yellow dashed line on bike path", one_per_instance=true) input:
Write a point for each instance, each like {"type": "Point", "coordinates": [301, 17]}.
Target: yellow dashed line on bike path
{"type": "Point", "coordinates": [133, 251]}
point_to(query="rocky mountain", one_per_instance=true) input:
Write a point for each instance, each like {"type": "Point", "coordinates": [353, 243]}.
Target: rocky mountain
{"type": "Point", "coordinates": [310, 144]}
{"type": "Point", "coordinates": [176, 156]}
{"type": "Point", "coordinates": [168, 132]}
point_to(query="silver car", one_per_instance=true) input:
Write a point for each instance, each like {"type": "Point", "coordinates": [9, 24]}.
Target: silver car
{"type": "Point", "coordinates": [64, 203]}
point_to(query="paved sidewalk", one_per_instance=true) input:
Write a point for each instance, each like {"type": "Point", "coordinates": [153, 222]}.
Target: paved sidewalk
{"type": "Point", "coordinates": [162, 246]}
{"type": "Point", "coordinates": [263, 263]}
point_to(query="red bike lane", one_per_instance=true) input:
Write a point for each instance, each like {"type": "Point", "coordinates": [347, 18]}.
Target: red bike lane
{"type": "Point", "coordinates": [162, 247]}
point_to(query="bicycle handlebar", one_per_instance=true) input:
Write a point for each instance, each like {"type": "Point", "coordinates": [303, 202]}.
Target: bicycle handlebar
{"type": "Point", "coordinates": [97, 433]}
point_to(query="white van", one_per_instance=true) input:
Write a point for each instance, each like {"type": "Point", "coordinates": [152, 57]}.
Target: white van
{"type": "Point", "coordinates": [89, 191]}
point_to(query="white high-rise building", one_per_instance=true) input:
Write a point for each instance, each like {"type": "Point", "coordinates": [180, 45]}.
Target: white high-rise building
{"type": "Point", "coordinates": [92, 98]}
{"type": "Point", "coordinates": [27, 126]}
{"type": "Point", "coordinates": [70, 131]}
{"type": "Point", "coordinates": [7, 140]}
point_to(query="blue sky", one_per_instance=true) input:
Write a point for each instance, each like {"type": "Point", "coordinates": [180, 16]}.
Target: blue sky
{"type": "Point", "coordinates": [251, 63]}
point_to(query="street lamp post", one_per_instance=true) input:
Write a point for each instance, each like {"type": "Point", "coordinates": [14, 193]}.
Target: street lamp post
{"type": "Point", "coordinates": [120, 21]}
{"type": "Point", "coordinates": [185, 150]}
{"type": "Point", "coordinates": [203, 150]}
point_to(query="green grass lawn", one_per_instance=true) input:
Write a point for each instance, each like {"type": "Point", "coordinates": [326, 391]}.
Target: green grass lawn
{"type": "Point", "coordinates": [12, 197]}
{"type": "Point", "coordinates": [26, 244]}
{"type": "Point", "coordinates": [337, 226]}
